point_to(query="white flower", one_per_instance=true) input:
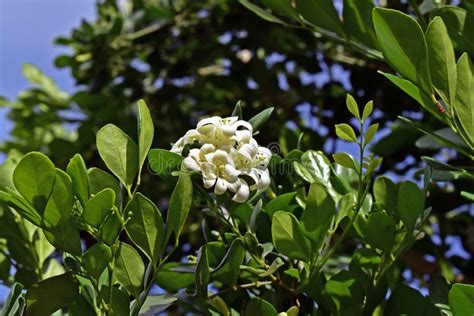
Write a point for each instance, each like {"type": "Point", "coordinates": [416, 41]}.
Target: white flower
{"type": "Point", "coordinates": [227, 152]}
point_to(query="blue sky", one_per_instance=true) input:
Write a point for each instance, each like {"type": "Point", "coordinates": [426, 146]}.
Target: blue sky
{"type": "Point", "coordinates": [27, 32]}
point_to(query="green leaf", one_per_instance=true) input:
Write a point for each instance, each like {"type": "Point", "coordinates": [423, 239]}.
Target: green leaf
{"type": "Point", "coordinates": [322, 14]}
{"type": "Point", "coordinates": [416, 93]}
{"type": "Point", "coordinates": [380, 231]}
{"type": "Point", "coordinates": [154, 305]}
{"type": "Point", "coordinates": [367, 110]}
{"type": "Point", "coordinates": [281, 202]}
{"type": "Point", "coordinates": [65, 237]}
{"type": "Point", "coordinates": [261, 12]}
{"type": "Point", "coordinates": [459, 23]}
{"type": "Point", "coordinates": [119, 153]}
{"type": "Point", "coordinates": [4, 267]}
{"type": "Point", "coordinates": [163, 162]}
{"type": "Point", "coordinates": [146, 131]}
{"type": "Point", "coordinates": [58, 209]}
{"type": "Point", "coordinates": [180, 203]}
{"type": "Point", "coordinates": [98, 207]}
{"type": "Point", "coordinates": [34, 178]}
{"type": "Point", "coordinates": [129, 269]}
{"type": "Point", "coordinates": [288, 237]}
{"type": "Point", "coordinates": [258, 120]}
{"type": "Point", "coordinates": [318, 214]}
{"type": "Point", "coordinates": [14, 303]}
{"type": "Point", "coordinates": [386, 193]}
{"type": "Point", "coordinates": [464, 102]}
{"type": "Point", "coordinates": [411, 203]}
{"type": "Point", "coordinates": [21, 205]}
{"type": "Point", "coordinates": [237, 111]}
{"type": "Point", "coordinates": [50, 295]}
{"type": "Point", "coordinates": [346, 291]}
{"type": "Point", "coordinates": [405, 300]}
{"type": "Point", "coordinates": [258, 306]}
{"type": "Point", "coordinates": [100, 180]}
{"type": "Point", "coordinates": [352, 106]}
{"type": "Point", "coordinates": [461, 299]}
{"type": "Point", "coordinates": [403, 44]}
{"type": "Point", "coordinates": [76, 169]}
{"type": "Point", "coordinates": [371, 131]}
{"type": "Point", "coordinates": [96, 258]}
{"type": "Point", "coordinates": [344, 131]}
{"type": "Point", "coordinates": [357, 21]}
{"type": "Point", "coordinates": [111, 229]}
{"type": "Point", "coordinates": [120, 303]}
{"type": "Point", "coordinates": [345, 160]}
{"type": "Point", "coordinates": [171, 278]}
{"type": "Point", "coordinates": [145, 226]}
{"type": "Point", "coordinates": [229, 269]}
{"type": "Point", "coordinates": [442, 60]}
{"type": "Point", "coordinates": [202, 272]}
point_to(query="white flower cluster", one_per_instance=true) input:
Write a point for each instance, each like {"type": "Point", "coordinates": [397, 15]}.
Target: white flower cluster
{"type": "Point", "coordinates": [227, 152]}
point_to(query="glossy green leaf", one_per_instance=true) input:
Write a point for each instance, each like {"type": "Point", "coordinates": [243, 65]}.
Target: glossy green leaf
{"type": "Point", "coordinates": [119, 153]}
{"type": "Point", "coordinates": [22, 206]}
{"type": "Point", "coordinates": [180, 203]}
{"type": "Point", "coordinates": [405, 300]}
{"type": "Point", "coordinates": [403, 44]}
{"type": "Point", "coordinates": [52, 294]}
{"type": "Point", "coordinates": [229, 269]}
{"type": "Point", "coordinates": [346, 132]}
{"type": "Point", "coordinates": [259, 119]}
{"type": "Point", "coordinates": [459, 24]}
{"type": "Point", "coordinates": [34, 178]}
{"type": "Point", "coordinates": [65, 237]}
{"type": "Point", "coordinates": [416, 93]}
{"type": "Point", "coordinates": [76, 169]}
{"type": "Point", "coordinates": [442, 60]}
{"type": "Point", "coordinates": [13, 304]}
{"type": "Point", "coordinates": [129, 269]}
{"type": "Point", "coordinates": [288, 237]}
{"type": "Point", "coordinates": [318, 214]}
{"type": "Point", "coordinates": [258, 306]}
{"type": "Point", "coordinates": [345, 160]}
{"type": "Point", "coordinates": [322, 14]}
{"type": "Point", "coordinates": [163, 162]}
{"type": "Point", "coordinates": [357, 21]}
{"type": "Point", "coordinates": [174, 276]}
{"type": "Point", "coordinates": [202, 272]}
{"type": "Point", "coordinates": [261, 12]}
{"type": "Point", "coordinates": [154, 305]}
{"type": "Point", "coordinates": [461, 299]}
{"type": "Point", "coordinates": [386, 193]}
{"type": "Point", "coordinates": [96, 258]}
{"type": "Point", "coordinates": [346, 291]}
{"type": "Point", "coordinates": [352, 106]}
{"type": "Point", "coordinates": [411, 203]}
{"type": "Point", "coordinates": [464, 101]}
{"type": "Point", "coordinates": [282, 202]}
{"type": "Point", "coordinates": [146, 132]}
{"type": "Point", "coordinates": [58, 209]}
{"type": "Point", "coordinates": [380, 231]}
{"type": "Point", "coordinates": [100, 180]}
{"type": "Point", "coordinates": [237, 111]}
{"type": "Point", "coordinates": [371, 131]}
{"type": "Point", "coordinates": [111, 229]}
{"type": "Point", "coordinates": [145, 226]}
{"type": "Point", "coordinates": [369, 106]}
{"type": "Point", "coordinates": [98, 207]}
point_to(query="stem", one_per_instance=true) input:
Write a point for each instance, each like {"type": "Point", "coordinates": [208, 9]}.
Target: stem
{"type": "Point", "coordinates": [418, 13]}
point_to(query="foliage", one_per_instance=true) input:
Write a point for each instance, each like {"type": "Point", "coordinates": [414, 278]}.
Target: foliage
{"type": "Point", "coordinates": [330, 235]}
